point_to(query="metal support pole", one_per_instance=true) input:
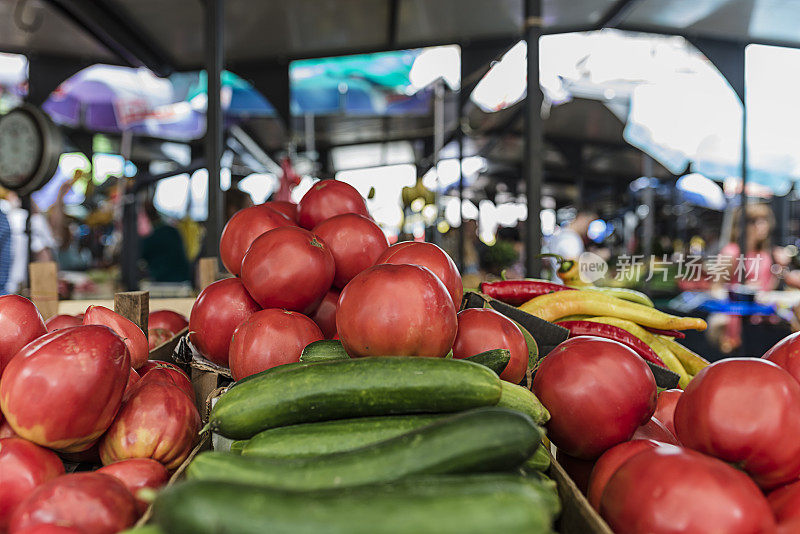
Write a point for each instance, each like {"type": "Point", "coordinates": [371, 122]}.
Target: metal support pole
{"type": "Point", "coordinates": [214, 26]}
{"type": "Point", "coordinates": [129, 255]}
{"type": "Point", "coordinates": [534, 140]}
{"type": "Point", "coordinates": [743, 193]}
{"type": "Point", "coordinates": [648, 228]}
{"type": "Point", "coordinates": [462, 238]}
{"type": "Point", "coordinates": [438, 144]}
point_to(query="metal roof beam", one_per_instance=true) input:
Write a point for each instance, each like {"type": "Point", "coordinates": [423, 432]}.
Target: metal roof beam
{"type": "Point", "coordinates": [615, 14]}
{"type": "Point", "coordinates": [115, 32]}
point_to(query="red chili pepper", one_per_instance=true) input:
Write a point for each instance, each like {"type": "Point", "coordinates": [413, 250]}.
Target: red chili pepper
{"type": "Point", "coordinates": [516, 292]}
{"type": "Point", "coordinates": [589, 328]}
{"type": "Point", "coordinates": [677, 334]}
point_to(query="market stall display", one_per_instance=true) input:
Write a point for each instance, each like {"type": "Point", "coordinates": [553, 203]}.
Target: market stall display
{"type": "Point", "coordinates": [427, 419]}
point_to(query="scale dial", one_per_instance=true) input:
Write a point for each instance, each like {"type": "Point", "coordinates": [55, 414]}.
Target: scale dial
{"type": "Point", "coordinates": [29, 149]}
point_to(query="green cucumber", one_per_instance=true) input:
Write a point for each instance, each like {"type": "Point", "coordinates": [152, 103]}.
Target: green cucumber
{"type": "Point", "coordinates": [353, 388]}
{"type": "Point", "coordinates": [540, 461]}
{"type": "Point", "coordinates": [496, 359]}
{"type": "Point", "coordinates": [523, 400]}
{"type": "Point", "coordinates": [548, 489]}
{"type": "Point", "coordinates": [238, 446]}
{"type": "Point", "coordinates": [323, 351]}
{"type": "Point", "coordinates": [313, 439]}
{"type": "Point", "coordinates": [533, 347]}
{"type": "Point", "coordinates": [472, 504]}
{"type": "Point", "coordinates": [144, 529]}
{"type": "Point", "coordinates": [272, 370]}
{"type": "Point", "coordinates": [480, 440]}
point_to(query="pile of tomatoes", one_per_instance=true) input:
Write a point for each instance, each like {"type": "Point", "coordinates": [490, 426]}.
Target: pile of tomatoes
{"type": "Point", "coordinates": [81, 389]}
{"type": "Point", "coordinates": [324, 269]}
{"type": "Point", "coordinates": [722, 456]}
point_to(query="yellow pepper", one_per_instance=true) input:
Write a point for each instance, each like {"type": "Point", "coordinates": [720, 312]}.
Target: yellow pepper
{"type": "Point", "coordinates": [691, 361]}
{"type": "Point", "coordinates": [553, 306]}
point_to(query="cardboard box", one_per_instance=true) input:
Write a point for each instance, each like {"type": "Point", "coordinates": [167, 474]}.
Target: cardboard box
{"type": "Point", "coordinates": [577, 515]}
{"type": "Point", "coordinates": [206, 376]}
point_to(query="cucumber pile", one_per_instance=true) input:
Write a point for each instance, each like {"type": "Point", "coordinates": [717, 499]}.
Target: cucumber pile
{"type": "Point", "coordinates": [378, 445]}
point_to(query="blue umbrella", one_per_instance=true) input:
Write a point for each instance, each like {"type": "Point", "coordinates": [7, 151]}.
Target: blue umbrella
{"type": "Point", "coordinates": [701, 191]}
{"type": "Point", "coordinates": [112, 99]}
{"type": "Point", "coordinates": [239, 98]}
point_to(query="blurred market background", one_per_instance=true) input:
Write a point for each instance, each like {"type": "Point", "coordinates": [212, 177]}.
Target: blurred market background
{"type": "Point", "coordinates": [627, 143]}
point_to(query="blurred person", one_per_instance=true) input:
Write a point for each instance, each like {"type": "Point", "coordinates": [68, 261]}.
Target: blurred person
{"type": "Point", "coordinates": [472, 261]}
{"type": "Point", "coordinates": [752, 268]}
{"type": "Point", "coordinates": [759, 255]}
{"type": "Point", "coordinates": [42, 243]}
{"type": "Point", "coordinates": [235, 200]}
{"type": "Point", "coordinates": [163, 249]}
{"type": "Point", "coordinates": [69, 255]}
{"type": "Point", "coordinates": [570, 241]}
{"type": "Point", "coordinates": [6, 257]}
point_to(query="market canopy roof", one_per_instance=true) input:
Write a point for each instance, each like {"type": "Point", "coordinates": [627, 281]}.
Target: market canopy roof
{"type": "Point", "coordinates": [166, 36]}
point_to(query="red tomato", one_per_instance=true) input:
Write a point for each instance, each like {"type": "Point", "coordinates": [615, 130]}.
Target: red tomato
{"type": "Point", "coordinates": [170, 376]}
{"type": "Point", "coordinates": [786, 353]}
{"type": "Point", "coordinates": [396, 310]}
{"type": "Point", "coordinates": [430, 256]}
{"type": "Point", "coordinates": [243, 228]}
{"type": "Point", "coordinates": [77, 375]}
{"type": "Point", "coordinates": [155, 364]}
{"type": "Point", "coordinates": [669, 490]}
{"type": "Point", "coordinates": [792, 526]}
{"type": "Point", "coordinates": [133, 336]}
{"type": "Point", "coordinates": [653, 429]}
{"type": "Point", "coordinates": [355, 242]}
{"type": "Point", "coordinates": [91, 502]}
{"type": "Point", "coordinates": [157, 336]}
{"type": "Point", "coordinates": [609, 462]}
{"type": "Point", "coordinates": [48, 529]}
{"type": "Point", "coordinates": [157, 421]}
{"type": "Point", "coordinates": [133, 378]}
{"type": "Point", "coordinates": [288, 268]}
{"type": "Point", "coordinates": [578, 470]}
{"type": "Point", "coordinates": [327, 199]}
{"type": "Point", "coordinates": [57, 322]}
{"type": "Point", "coordinates": [665, 408]}
{"type": "Point", "coordinates": [598, 393]}
{"type": "Point", "coordinates": [23, 467]}
{"type": "Point", "coordinates": [283, 206]}
{"type": "Point", "coordinates": [270, 338]}
{"type": "Point", "coordinates": [216, 313]}
{"type": "Point", "coordinates": [325, 315]}
{"type": "Point", "coordinates": [744, 411]}
{"type": "Point", "coordinates": [137, 474]}
{"type": "Point", "coordinates": [172, 322]}
{"type": "Point", "coordinates": [480, 330]}
{"type": "Point", "coordinates": [785, 502]}
{"type": "Point", "coordinates": [21, 322]}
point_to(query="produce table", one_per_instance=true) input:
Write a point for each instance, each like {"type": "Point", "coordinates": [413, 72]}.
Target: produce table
{"type": "Point", "coordinates": [337, 384]}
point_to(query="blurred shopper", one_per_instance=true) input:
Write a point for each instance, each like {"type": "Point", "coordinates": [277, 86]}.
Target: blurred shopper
{"type": "Point", "coordinates": [43, 244]}
{"type": "Point", "coordinates": [163, 249]}
{"type": "Point", "coordinates": [6, 258]}
{"type": "Point", "coordinates": [756, 262]}
{"type": "Point", "coordinates": [570, 241]}
{"type": "Point", "coordinates": [235, 200]}
{"type": "Point", "coordinates": [752, 268]}
{"type": "Point", "coordinates": [69, 254]}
